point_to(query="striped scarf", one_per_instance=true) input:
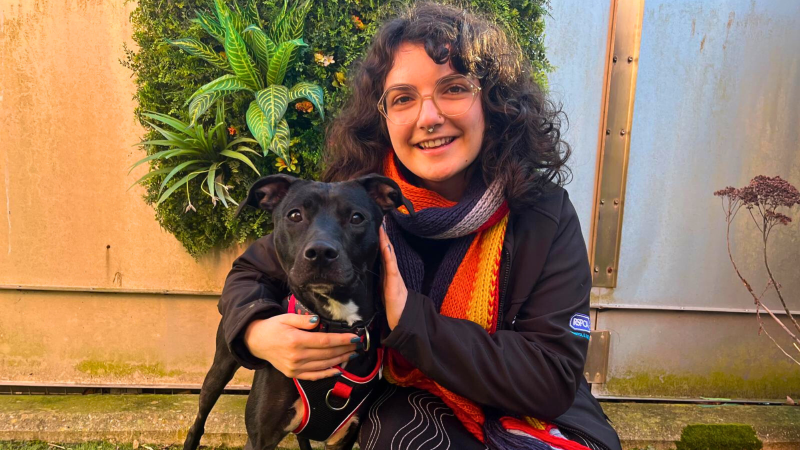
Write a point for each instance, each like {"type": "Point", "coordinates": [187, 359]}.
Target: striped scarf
{"type": "Point", "coordinates": [465, 286]}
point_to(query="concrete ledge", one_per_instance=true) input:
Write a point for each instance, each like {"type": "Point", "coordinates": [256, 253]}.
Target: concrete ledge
{"type": "Point", "coordinates": [165, 419]}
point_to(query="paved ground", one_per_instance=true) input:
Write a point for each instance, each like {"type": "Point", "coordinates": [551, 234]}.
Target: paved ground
{"type": "Point", "coordinates": [160, 420]}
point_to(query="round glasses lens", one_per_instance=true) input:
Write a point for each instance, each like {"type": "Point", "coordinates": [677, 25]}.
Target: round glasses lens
{"type": "Point", "coordinates": [401, 104]}
{"type": "Point", "coordinates": [454, 96]}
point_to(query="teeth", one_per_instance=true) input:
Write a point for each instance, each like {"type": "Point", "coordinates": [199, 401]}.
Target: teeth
{"type": "Point", "coordinates": [436, 142]}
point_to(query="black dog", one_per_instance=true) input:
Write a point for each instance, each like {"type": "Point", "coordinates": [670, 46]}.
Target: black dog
{"type": "Point", "coordinates": [326, 239]}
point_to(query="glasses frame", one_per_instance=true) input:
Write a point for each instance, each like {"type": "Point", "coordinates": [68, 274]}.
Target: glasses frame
{"type": "Point", "coordinates": [475, 90]}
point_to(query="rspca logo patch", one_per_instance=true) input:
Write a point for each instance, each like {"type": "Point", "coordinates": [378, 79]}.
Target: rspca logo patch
{"type": "Point", "coordinates": [580, 323]}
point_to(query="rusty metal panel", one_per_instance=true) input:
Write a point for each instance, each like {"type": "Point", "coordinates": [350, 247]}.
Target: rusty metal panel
{"type": "Point", "coordinates": [673, 354]}
{"type": "Point", "coordinates": [717, 102]}
{"type": "Point", "coordinates": [596, 365]}
{"type": "Point", "coordinates": [65, 149]}
{"type": "Point", "coordinates": [577, 40]}
{"type": "Point", "coordinates": [62, 338]}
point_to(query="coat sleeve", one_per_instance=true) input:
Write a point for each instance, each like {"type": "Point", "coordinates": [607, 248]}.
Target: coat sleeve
{"type": "Point", "coordinates": [253, 290]}
{"type": "Point", "coordinates": [533, 369]}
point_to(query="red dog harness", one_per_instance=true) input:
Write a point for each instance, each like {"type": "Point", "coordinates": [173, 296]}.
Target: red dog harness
{"type": "Point", "coordinates": [331, 402]}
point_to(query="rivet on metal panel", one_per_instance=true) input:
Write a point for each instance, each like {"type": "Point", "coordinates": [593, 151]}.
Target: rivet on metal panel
{"type": "Point", "coordinates": [602, 202]}
{"type": "Point", "coordinates": [630, 59]}
{"type": "Point", "coordinates": [609, 270]}
{"type": "Point", "coordinates": [616, 201]}
{"type": "Point", "coordinates": [596, 269]}
{"type": "Point", "coordinates": [615, 58]}
{"type": "Point", "coordinates": [622, 132]}
{"type": "Point", "coordinates": [608, 132]}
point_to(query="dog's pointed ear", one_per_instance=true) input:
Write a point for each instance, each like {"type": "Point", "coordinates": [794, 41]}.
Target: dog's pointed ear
{"type": "Point", "coordinates": [267, 192]}
{"type": "Point", "coordinates": [385, 192]}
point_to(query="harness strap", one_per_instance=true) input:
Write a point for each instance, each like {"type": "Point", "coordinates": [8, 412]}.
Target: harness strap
{"type": "Point", "coordinates": [331, 402]}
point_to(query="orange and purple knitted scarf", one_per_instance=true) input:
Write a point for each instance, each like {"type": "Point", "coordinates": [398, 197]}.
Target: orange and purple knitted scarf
{"type": "Point", "coordinates": [466, 286]}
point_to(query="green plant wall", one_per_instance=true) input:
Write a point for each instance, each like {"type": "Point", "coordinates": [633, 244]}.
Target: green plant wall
{"type": "Point", "coordinates": [337, 33]}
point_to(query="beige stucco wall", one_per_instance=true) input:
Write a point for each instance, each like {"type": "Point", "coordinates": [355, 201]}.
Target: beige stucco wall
{"type": "Point", "coordinates": [69, 220]}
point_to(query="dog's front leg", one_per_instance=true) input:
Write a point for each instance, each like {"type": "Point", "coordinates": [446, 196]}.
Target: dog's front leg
{"type": "Point", "coordinates": [270, 409]}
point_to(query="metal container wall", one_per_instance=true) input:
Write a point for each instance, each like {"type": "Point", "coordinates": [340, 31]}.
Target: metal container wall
{"type": "Point", "coordinates": [717, 103]}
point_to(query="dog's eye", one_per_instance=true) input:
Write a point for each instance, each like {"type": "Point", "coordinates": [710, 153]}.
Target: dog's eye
{"type": "Point", "coordinates": [295, 216]}
{"type": "Point", "coordinates": [356, 219]}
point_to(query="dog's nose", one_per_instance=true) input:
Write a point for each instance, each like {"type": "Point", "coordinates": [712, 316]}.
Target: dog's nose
{"type": "Point", "coordinates": [320, 252]}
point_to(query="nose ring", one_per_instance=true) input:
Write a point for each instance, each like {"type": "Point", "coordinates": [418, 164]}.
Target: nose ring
{"type": "Point", "coordinates": [430, 130]}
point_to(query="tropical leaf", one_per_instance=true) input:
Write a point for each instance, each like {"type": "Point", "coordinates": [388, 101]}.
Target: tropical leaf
{"type": "Point", "coordinates": [211, 26]}
{"type": "Point", "coordinates": [251, 13]}
{"type": "Point", "coordinates": [175, 186]}
{"type": "Point", "coordinates": [293, 24]}
{"type": "Point", "coordinates": [171, 121]}
{"type": "Point", "coordinates": [280, 142]}
{"type": "Point", "coordinates": [273, 102]}
{"type": "Point", "coordinates": [197, 48]}
{"type": "Point", "coordinates": [242, 158]}
{"type": "Point", "coordinates": [258, 125]}
{"type": "Point", "coordinates": [310, 91]}
{"type": "Point", "coordinates": [239, 59]}
{"type": "Point", "coordinates": [227, 83]}
{"type": "Point", "coordinates": [280, 61]}
{"type": "Point", "coordinates": [210, 179]}
{"type": "Point", "coordinates": [150, 175]}
{"type": "Point", "coordinates": [221, 191]}
{"type": "Point", "coordinates": [175, 170]}
{"type": "Point", "coordinates": [202, 102]}
{"type": "Point", "coordinates": [276, 25]}
{"type": "Point", "coordinates": [262, 46]}
{"type": "Point", "coordinates": [169, 135]}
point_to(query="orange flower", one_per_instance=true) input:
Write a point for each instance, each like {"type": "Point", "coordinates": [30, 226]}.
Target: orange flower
{"type": "Point", "coordinates": [304, 106]}
{"type": "Point", "coordinates": [231, 130]}
{"type": "Point", "coordinates": [357, 21]}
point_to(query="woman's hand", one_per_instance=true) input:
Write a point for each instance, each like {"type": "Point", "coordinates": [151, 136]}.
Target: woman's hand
{"type": "Point", "coordinates": [394, 288]}
{"type": "Point", "coordinates": [284, 341]}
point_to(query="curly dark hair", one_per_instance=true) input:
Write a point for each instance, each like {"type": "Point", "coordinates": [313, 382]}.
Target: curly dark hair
{"type": "Point", "coordinates": [522, 144]}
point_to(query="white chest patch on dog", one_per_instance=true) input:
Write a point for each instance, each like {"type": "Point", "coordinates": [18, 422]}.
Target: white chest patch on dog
{"type": "Point", "coordinates": [347, 312]}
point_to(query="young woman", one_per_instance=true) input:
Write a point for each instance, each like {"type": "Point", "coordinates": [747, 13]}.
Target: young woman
{"type": "Point", "coordinates": [486, 288]}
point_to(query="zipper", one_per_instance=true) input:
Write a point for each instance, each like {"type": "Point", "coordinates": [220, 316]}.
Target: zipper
{"type": "Point", "coordinates": [505, 262]}
{"type": "Point", "coordinates": [582, 435]}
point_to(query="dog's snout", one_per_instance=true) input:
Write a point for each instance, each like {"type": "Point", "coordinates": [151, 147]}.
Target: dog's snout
{"type": "Point", "coordinates": [320, 252]}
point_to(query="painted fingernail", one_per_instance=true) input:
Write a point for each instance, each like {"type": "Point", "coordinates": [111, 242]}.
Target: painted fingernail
{"type": "Point", "coordinates": [360, 345]}
{"type": "Point", "coordinates": [383, 225]}
{"type": "Point", "coordinates": [355, 340]}
{"type": "Point", "coordinates": [354, 356]}
{"type": "Point", "coordinates": [314, 319]}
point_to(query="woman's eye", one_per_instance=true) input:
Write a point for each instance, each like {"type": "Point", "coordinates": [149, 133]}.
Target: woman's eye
{"type": "Point", "coordinates": [295, 216]}
{"type": "Point", "coordinates": [356, 219]}
{"type": "Point", "coordinates": [402, 100]}
{"type": "Point", "coordinates": [456, 89]}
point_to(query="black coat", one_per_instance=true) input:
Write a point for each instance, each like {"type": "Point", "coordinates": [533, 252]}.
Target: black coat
{"type": "Point", "coordinates": [533, 364]}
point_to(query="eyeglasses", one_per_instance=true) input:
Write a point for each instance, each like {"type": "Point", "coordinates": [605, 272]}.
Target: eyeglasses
{"type": "Point", "coordinates": [453, 96]}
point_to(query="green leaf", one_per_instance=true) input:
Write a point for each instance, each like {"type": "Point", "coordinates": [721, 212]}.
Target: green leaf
{"type": "Point", "coordinates": [292, 26]}
{"type": "Point", "coordinates": [241, 157]}
{"type": "Point", "coordinates": [221, 193]}
{"type": "Point", "coordinates": [175, 171]}
{"type": "Point", "coordinates": [210, 179]}
{"type": "Point", "coordinates": [258, 125]}
{"type": "Point", "coordinates": [167, 134]}
{"type": "Point", "coordinates": [175, 186]}
{"type": "Point", "coordinates": [171, 121]}
{"type": "Point", "coordinates": [273, 102]}
{"type": "Point", "coordinates": [262, 46]}
{"type": "Point", "coordinates": [236, 50]}
{"type": "Point", "coordinates": [227, 83]}
{"type": "Point", "coordinates": [240, 140]}
{"type": "Point", "coordinates": [201, 103]}
{"type": "Point", "coordinates": [150, 175]}
{"type": "Point", "coordinates": [248, 150]}
{"type": "Point", "coordinates": [211, 26]}
{"type": "Point", "coordinates": [280, 61]}
{"type": "Point", "coordinates": [276, 25]}
{"type": "Point", "coordinates": [251, 13]}
{"type": "Point", "coordinates": [197, 48]}
{"type": "Point", "coordinates": [310, 91]}
{"type": "Point", "coordinates": [280, 142]}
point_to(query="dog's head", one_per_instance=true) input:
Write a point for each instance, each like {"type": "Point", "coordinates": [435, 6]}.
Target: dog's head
{"type": "Point", "coordinates": [326, 237]}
